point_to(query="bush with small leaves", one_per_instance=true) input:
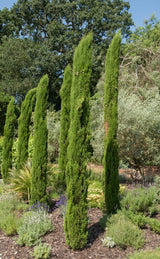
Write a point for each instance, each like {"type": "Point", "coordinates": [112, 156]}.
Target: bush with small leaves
{"type": "Point", "coordinates": [8, 218]}
{"type": "Point", "coordinates": [41, 251]}
{"type": "Point", "coordinates": [140, 200]}
{"type": "Point", "coordinates": [32, 226]}
{"type": "Point", "coordinates": [148, 254]}
{"type": "Point", "coordinates": [108, 241]}
{"type": "Point", "coordinates": [123, 232]}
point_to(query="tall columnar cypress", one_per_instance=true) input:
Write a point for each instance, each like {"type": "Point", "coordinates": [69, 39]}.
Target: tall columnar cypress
{"type": "Point", "coordinates": [8, 139]}
{"type": "Point", "coordinates": [76, 221]}
{"type": "Point", "coordinates": [111, 159]}
{"type": "Point", "coordinates": [23, 127]}
{"type": "Point", "coordinates": [65, 93]}
{"type": "Point", "coordinates": [39, 159]}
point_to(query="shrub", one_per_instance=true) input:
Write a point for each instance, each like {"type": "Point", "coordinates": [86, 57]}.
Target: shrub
{"type": "Point", "coordinates": [32, 226]}
{"type": "Point", "coordinates": [20, 180]}
{"type": "Point", "coordinates": [148, 254]}
{"type": "Point", "coordinates": [138, 219]}
{"type": "Point", "coordinates": [107, 241]}
{"type": "Point", "coordinates": [140, 200]}
{"type": "Point", "coordinates": [41, 251]}
{"type": "Point", "coordinates": [123, 232]}
{"type": "Point", "coordinates": [95, 195]}
{"type": "Point", "coordinates": [8, 217]}
{"type": "Point", "coordinates": [154, 224]}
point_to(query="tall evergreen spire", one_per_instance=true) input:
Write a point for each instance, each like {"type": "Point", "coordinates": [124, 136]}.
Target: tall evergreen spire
{"type": "Point", "coordinates": [76, 221]}
{"type": "Point", "coordinates": [111, 159]}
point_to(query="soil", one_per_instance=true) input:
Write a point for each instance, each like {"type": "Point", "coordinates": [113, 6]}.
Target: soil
{"type": "Point", "coordinates": [56, 239]}
{"type": "Point", "coordinates": [94, 248]}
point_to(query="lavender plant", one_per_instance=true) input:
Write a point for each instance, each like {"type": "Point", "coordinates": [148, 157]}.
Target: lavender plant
{"type": "Point", "coordinates": [40, 207]}
{"type": "Point", "coordinates": [61, 204]}
{"type": "Point", "coordinates": [140, 200]}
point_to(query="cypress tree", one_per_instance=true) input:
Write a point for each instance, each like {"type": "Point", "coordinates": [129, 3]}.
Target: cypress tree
{"type": "Point", "coordinates": [111, 159]}
{"type": "Point", "coordinates": [23, 127]}
{"type": "Point", "coordinates": [65, 93]}
{"type": "Point", "coordinates": [39, 160]}
{"type": "Point", "coordinates": [8, 139]}
{"type": "Point", "coordinates": [76, 221]}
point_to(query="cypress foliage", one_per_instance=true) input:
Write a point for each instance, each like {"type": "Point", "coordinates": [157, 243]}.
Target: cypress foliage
{"type": "Point", "coordinates": [23, 127]}
{"type": "Point", "coordinates": [39, 159]}
{"type": "Point", "coordinates": [65, 93]}
{"type": "Point", "coordinates": [8, 139]}
{"type": "Point", "coordinates": [76, 220]}
{"type": "Point", "coordinates": [111, 159]}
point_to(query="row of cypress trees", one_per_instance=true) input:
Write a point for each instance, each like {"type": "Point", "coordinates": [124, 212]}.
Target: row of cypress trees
{"type": "Point", "coordinates": [39, 161]}
{"type": "Point", "coordinates": [74, 137]}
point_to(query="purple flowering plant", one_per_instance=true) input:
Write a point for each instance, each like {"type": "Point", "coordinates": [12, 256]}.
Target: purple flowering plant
{"type": "Point", "coordinates": [61, 204]}
{"type": "Point", "coordinates": [40, 207]}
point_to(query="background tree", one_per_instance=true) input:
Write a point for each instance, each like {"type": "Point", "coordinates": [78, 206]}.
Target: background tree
{"type": "Point", "coordinates": [8, 139]}
{"type": "Point", "coordinates": [65, 93]}
{"type": "Point", "coordinates": [76, 220]}
{"type": "Point", "coordinates": [23, 128]}
{"type": "Point", "coordinates": [17, 72]}
{"type": "Point", "coordinates": [56, 28]}
{"type": "Point", "coordinates": [39, 159]}
{"type": "Point", "coordinates": [111, 159]}
{"type": "Point", "coordinates": [139, 127]}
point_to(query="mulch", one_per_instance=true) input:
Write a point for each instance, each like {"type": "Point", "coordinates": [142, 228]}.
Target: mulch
{"type": "Point", "coordinates": [56, 239]}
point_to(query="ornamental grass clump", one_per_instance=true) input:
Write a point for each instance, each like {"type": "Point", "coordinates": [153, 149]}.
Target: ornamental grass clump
{"type": "Point", "coordinates": [20, 180]}
{"type": "Point", "coordinates": [32, 226]}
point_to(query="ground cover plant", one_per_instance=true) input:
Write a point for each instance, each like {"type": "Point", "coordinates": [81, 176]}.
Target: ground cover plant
{"type": "Point", "coordinates": [148, 254]}
{"type": "Point", "coordinates": [32, 226]}
{"type": "Point", "coordinates": [10, 207]}
{"type": "Point", "coordinates": [41, 251]}
{"type": "Point", "coordinates": [123, 232]}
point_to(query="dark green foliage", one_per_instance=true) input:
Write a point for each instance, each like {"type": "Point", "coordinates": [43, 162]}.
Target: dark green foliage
{"type": "Point", "coordinates": [55, 29]}
{"type": "Point", "coordinates": [111, 160]}
{"type": "Point", "coordinates": [39, 160]}
{"type": "Point", "coordinates": [76, 220]}
{"type": "Point", "coordinates": [65, 121]}
{"type": "Point", "coordinates": [4, 100]}
{"type": "Point", "coordinates": [8, 139]}
{"type": "Point", "coordinates": [23, 128]}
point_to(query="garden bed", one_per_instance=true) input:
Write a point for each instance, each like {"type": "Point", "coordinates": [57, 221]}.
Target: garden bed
{"type": "Point", "coordinates": [94, 249]}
